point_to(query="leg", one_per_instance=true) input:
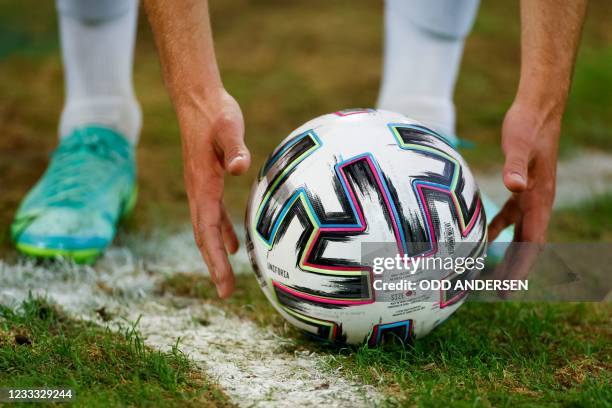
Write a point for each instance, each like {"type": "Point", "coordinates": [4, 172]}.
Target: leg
{"type": "Point", "coordinates": [97, 47]}
{"type": "Point", "coordinates": [423, 47]}
{"type": "Point", "coordinates": [74, 209]}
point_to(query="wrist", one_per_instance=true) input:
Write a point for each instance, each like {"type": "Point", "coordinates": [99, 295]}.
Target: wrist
{"type": "Point", "coordinates": [185, 93]}
{"type": "Point", "coordinates": [544, 97]}
{"type": "Point", "coordinates": [539, 111]}
{"type": "Point", "coordinates": [199, 109]}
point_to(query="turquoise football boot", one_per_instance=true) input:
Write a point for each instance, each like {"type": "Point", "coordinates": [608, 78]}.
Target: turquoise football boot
{"type": "Point", "coordinates": [74, 209]}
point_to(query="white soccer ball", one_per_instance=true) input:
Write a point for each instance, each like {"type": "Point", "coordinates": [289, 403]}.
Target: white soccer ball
{"type": "Point", "coordinates": [343, 186]}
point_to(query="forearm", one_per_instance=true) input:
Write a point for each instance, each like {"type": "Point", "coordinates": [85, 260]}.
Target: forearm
{"type": "Point", "coordinates": [184, 41]}
{"type": "Point", "coordinates": [550, 34]}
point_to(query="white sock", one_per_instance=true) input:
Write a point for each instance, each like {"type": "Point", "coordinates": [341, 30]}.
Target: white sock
{"type": "Point", "coordinates": [97, 39]}
{"type": "Point", "coordinates": [423, 46]}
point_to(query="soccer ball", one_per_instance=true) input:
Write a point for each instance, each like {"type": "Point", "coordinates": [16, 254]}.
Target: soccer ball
{"type": "Point", "coordinates": [348, 184]}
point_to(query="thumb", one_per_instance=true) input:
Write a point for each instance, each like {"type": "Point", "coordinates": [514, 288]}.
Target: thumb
{"type": "Point", "coordinates": [230, 138]}
{"type": "Point", "coordinates": [515, 170]}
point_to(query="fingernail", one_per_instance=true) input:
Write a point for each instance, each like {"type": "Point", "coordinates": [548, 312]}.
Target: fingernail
{"type": "Point", "coordinates": [518, 176]}
{"type": "Point", "coordinates": [236, 158]}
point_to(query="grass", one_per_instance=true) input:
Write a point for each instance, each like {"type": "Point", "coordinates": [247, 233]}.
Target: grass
{"type": "Point", "coordinates": [505, 354]}
{"type": "Point", "coordinates": [500, 354]}
{"type": "Point", "coordinates": [590, 222]}
{"type": "Point", "coordinates": [510, 354]}
{"type": "Point", "coordinates": [486, 89]}
{"type": "Point", "coordinates": [301, 60]}
{"type": "Point", "coordinates": [497, 355]}
{"type": "Point", "coordinates": [41, 347]}
{"type": "Point", "coordinates": [486, 355]}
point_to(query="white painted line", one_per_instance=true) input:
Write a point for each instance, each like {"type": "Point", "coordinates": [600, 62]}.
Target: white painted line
{"type": "Point", "coordinates": [247, 361]}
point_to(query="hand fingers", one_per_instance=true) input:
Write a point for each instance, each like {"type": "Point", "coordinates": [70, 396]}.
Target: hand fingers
{"type": "Point", "coordinates": [518, 261]}
{"type": "Point", "coordinates": [517, 142]}
{"type": "Point", "coordinates": [209, 238]}
{"type": "Point", "coordinates": [215, 248]}
{"type": "Point", "coordinates": [229, 234]}
{"type": "Point", "coordinates": [530, 234]}
{"type": "Point", "coordinates": [230, 138]}
{"type": "Point", "coordinates": [535, 224]}
{"type": "Point", "coordinates": [506, 216]}
{"type": "Point", "coordinates": [515, 169]}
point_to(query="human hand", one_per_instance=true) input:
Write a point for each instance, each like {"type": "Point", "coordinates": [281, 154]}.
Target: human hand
{"type": "Point", "coordinates": [212, 130]}
{"type": "Point", "coordinates": [530, 137]}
